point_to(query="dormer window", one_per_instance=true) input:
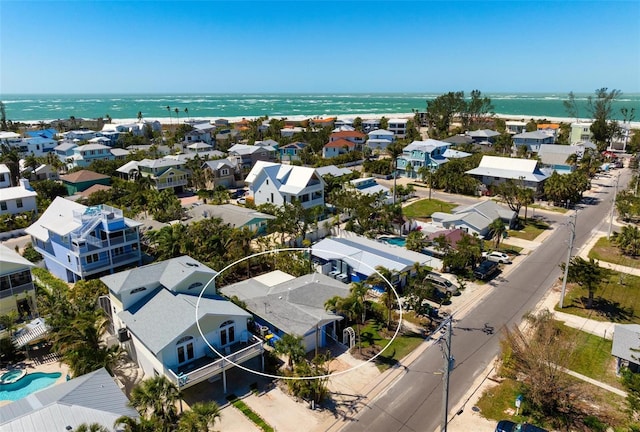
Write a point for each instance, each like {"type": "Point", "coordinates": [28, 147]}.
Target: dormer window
{"type": "Point", "coordinates": [137, 290]}
{"type": "Point", "coordinates": [195, 285]}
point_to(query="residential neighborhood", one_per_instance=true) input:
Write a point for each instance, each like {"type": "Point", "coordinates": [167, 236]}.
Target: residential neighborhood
{"type": "Point", "coordinates": [218, 258]}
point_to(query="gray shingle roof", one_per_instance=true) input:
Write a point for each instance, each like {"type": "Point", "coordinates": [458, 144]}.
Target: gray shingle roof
{"type": "Point", "coordinates": [233, 215]}
{"type": "Point", "coordinates": [168, 273]}
{"type": "Point", "coordinates": [90, 398]}
{"type": "Point", "coordinates": [295, 306]}
{"type": "Point", "coordinates": [163, 316]}
{"type": "Point", "coordinates": [626, 342]}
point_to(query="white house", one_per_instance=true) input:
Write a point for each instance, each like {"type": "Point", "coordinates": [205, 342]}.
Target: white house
{"type": "Point", "coordinates": [379, 139]}
{"type": "Point", "coordinates": [37, 146]}
{"type": "Point", "coordinates": [370, 125]}
{"type": "Point", "coordinates": [5, 176]}
{"type": "Point", "coordinates": [18, 199]}
{"type": "Point", "coordinates": [580, 132]}
{"type": "Point", "coordinates": [533, 140]}
{"type": "Point", "coordinates": [476, 218]}
{"type": "Point", "coordinates": [164, 324]}
{"type": "Point", "coordinates": [278, 184]}
{"type": "Point", "coordinates": [64, 151]}
{"type": "Point", "coordinates": [626, 340]}
{"type": "Point", "coordinates": [495, 170]}
{"type": "Point", "coordinates": [369, 186]}
{"type": "Point", "coordinates": [398, 127]}
{"type": "Point", "coordinates": [338, 147]}
{"type": "Point", "coordinates": [80, 135]}
{"type": "Point", "coordinates": [85, 154]}
{"type": "Point", "coordinates": [515, 127]}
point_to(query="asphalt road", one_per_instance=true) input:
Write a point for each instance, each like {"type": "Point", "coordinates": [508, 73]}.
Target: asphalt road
{"type": "Point", "coordinates": [413, 402]}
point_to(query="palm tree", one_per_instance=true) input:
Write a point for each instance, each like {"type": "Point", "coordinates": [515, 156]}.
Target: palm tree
{"type": "Point", "coordinates": [177, 111]}
{"type": "Point", "coordinates": [497, 228]}
{"type": "Point", "coordinates": [11, 158]}
{"type": "Point", "coordinates": [628, 240]}
{"type": "Point", "coordinates": [130, 424]}
{"type": "Point", "coordinates": [353, 307]}
{"type": "Point", "coordinates": [383, 277]}
{"type": "Point", "coordinates": [291, 346]}
{"type": "Point", "coordinates": [202, 417]}
{"type": "Point", "coordinates": [139, 116]}
{"type": "Point", "coordinates": [156, 398]}
{"type": "Point", "coordinates": [169, 110]}
{"type": "Point", "coordinates": [394, 150]}
{"type": "Point", "coordinates": [92, 427]}
{"type": "Point", "coordinates": [186, 111]}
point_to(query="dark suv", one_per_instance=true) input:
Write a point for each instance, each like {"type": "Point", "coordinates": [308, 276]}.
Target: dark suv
{"type": "Point", "coordinates": [486, 269]}
{"type": "Point", "coordinates": [509, 426]}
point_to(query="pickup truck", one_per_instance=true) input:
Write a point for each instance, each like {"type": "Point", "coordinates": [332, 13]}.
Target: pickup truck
{"type": "Point", "coordinates": [486, 269]}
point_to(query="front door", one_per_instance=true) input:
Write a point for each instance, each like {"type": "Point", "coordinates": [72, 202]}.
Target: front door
{"type": "Point", "coordinates": [185, 349]}
{"type": "Point", "coordinates": [227, 333]}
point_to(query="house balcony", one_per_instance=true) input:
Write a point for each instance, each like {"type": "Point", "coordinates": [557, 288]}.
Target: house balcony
{"type": "Point", "coordinates": [206, 367]}
{"type": "Point", "coordinates": [106, 264]}
{"type": "Point", "coordinates": [15, 290]}
{"type": "Point", "coordinates": [171, 184]}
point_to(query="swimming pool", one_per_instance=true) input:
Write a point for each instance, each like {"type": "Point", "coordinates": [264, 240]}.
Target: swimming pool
{"type": "Point", "coordinates": [28, 384]}
{"type": "Point", "coordinates": [396, 241]}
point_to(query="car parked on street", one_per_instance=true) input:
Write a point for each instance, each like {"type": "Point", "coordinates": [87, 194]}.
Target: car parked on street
{"type": "Point", "coordinates": [486, 269]}
{"type": "Point", "coordinates": [509, 426]}
{"type": "Point", "coordinates": [495, 256]}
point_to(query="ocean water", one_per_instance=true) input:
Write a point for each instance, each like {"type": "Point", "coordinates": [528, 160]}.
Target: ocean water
{"type": "Point", "coordinates": [36, 107]}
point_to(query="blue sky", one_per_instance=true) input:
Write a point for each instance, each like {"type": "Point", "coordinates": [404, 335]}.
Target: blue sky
{"type": "Point", "coordinates": [306, 46]}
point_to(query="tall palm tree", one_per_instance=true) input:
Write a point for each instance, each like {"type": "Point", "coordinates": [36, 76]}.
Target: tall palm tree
{"type": "Point", "coordinates": [177, 111]}
{"type": "Point", "coordinates": [139, 116]}
{"type": "Point", "coordinates": [169, 110]}
{"type": "Point", "coordinates": [186, 111]}
{"type": "Point", "coordinates": [394, 150]}
{"type": "Point", "coordinates": [11, 158]}
{"type": "Point", "coordinates": [380, 278]}
{"type": "Point", "coordinates": [156, 398]}
{"type": "Point", "coordinates": [201, 417]}
{"type": "Point", "coordinates": [497, 229]}
{"type": "Point", "coordinates": [353, 307]}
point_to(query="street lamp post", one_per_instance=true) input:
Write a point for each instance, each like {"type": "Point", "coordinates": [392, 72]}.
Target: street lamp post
{"type": "Point", "coordinates": [448, 365]}
{"type": "Point", "coordinates": [613, 206]}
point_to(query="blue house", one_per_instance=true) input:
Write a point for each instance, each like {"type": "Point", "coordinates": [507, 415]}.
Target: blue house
{"type": "Point", "coordinates": [78, 242]}
{"type": "Point", "coordinates": [291, 152]}
{"type": "Point", "coordinates": [418, 154]}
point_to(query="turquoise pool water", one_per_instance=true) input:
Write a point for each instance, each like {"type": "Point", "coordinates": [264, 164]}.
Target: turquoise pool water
{"type": "Point", "coordinates": [28, 384]}
{"type": "Point", "coordinates": [397, 241]}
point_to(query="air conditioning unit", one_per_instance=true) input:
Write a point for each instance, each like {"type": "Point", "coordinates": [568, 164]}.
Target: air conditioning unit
{"type": "Point", "coordinates": [343, 277]}
{"type": "Point", "coordinates": [123, 335]}
{"type": "Point", "coordinates": [334, 273]}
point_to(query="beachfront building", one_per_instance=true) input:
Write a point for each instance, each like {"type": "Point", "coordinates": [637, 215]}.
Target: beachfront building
{"type": "Point", "coordinates": [279, 184]}
{"type": "Point", "coordinates": [349, 257]}
{"type": "Point", "coordinates": [84, 155]}
{"type": "Point", "coordinates": [515, 127]}
{"type": "Point", "coordinates": [37, 146]}
{"type": "Point", "coordinates": [290, 131]}
{"type": "Point", "coordinates": [11, 139]}
{"type": "Point", "coordinates": [338, 147]}
{"type": "Point", "coordinates": [154, 310]}
{"type": "Point", "coordinates": [494, 170]}
{"type": "Point", "coordinates": [379, 139]}
{"type": "Point", "coordinates": [248, 155]}
{"type": "Point", "coordinates": [318, 123]}
{"type": "Point", "coordinates": [78, 242]}
{"type": "Point", "coordinates": [552, 129]}
{"type": "Point", "coordinates": [79, 135]}
{"type": "Point", "coordinates": [370, 125]}
{"type": "Point", "coordinates": [223, 172]}
{"type": "Point", "coordinates": [285, 304]}
{"type": "Point", "coordinates": [398, 127]}
{"type": "Point", "coordinates": [17, 292]}
{"type": "Point", "coordinates": [580, 132]}
{"type": "Point", "coordinates": [291, 152]}
{"type": "Point", "coordinates": [18, 199]}
{"type": "Point", "coordinates": [483, 136]}
{"type": "Point", "coordinates": [476, 218]}
{"type": "Point", "coordinates": [82, 180]}
{"type": "Point", "coordinates": [91, 398]}
{"type": "Point", "coordinates": [532, 140]}
{"type": "Point", "coordinates": [418, 154]}
{"type": "Point", "coordinates": [232, 215]}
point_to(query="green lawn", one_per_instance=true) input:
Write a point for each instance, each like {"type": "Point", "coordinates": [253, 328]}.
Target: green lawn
{"type": "Point", "coordinates": [592, 356]}
{"type": "Point", "coordinates": [399, 348]}
{"type": "Point", "coordinates": [549, 208]}
{"type": "Point", "coordinates": [615, 300]}
{"type": "Point", "coordinates": [532, 229]}
{"type": "Point", "coordinates": [425, 207]}
{"type": "Point", "coordinates": [605, 250]}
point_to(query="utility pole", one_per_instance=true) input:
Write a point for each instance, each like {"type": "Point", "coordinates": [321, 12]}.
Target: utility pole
{"type": "Point", "coordinates": [572, 237]}
{"type": "Point", "coordinates": [613, 206]}
{"type": "Point", "coordinates": [448, 365]}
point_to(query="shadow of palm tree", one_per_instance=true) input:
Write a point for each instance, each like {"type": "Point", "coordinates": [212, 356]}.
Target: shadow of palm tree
{"type": "Point", "coordinates": [611, 310]}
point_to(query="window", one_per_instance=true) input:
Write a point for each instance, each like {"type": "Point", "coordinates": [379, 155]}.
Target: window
{"type": "Point", "coordinates": [3, 205]}
{"type": "Point", "coordinates": [224, 172]}
{"type": "Point", "coordinates": [92, 258]}
{"type": "Point", "coordinates": [267, 181]}
{"type": "Point", "coordinates": [19, 202]}
{"type": "Point", "coordinates": [185, 349]}
{"type": "Point", "coordinates": [272, 197]}
{"type": "Point", "coordinates": [227, 333]}
{"type": "Point", "coordinates": [2, 178]}
{"type": "Point", "coordinates": [137, 290]}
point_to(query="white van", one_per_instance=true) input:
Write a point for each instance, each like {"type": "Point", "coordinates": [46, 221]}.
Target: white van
{"type": "Point", "coordinates": [443, 285]}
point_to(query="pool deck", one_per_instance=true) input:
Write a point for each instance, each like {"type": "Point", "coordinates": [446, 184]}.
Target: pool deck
{"type": "Point", "coordinates": [47, 364]}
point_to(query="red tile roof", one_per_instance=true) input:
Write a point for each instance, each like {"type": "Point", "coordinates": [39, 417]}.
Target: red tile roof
{"type": "Point", "coordinates": [340, 143]}
{"type": "Point", "coordinates": [348, 134]}
{"type": "Point", "coordinates": [95, 188]}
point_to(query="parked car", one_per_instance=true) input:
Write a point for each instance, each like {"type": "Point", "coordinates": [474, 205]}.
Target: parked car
{"type": "Point", "coordinates": [443, 285]}
{"type": "Point", "coordinates": [239, 193]}
{"type": "Point", "coordinates": [509, 426]}
{"type": "Point", "coordinates": [242, 200]}
{"type": "Point", "coordinates": [486, 269]}
{"type": "Point", "coordinates": [499, 257]}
